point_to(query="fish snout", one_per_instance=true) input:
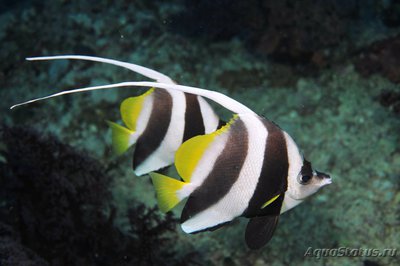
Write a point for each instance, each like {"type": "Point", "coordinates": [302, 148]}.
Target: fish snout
{"type": "Point", "coordinates": [324, 177]}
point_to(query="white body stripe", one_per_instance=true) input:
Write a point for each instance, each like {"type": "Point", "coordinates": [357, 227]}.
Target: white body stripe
{"type": "Point", "coordinates": [210, 119]}
{"type": "Point", "coordinates": [143, 118]}
{"type": "Point", "coordinates": [295, 164]}
{"type": "Point", "coordinates": [236, 201]}
{"type": "Point", "coordinates": [164, 155]}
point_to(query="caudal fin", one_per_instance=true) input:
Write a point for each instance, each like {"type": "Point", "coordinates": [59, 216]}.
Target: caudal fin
{"type": "Point", "coordinates": [167, 191]}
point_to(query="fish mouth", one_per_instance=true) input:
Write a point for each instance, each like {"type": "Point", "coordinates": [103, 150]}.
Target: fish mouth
{"type": "Point", "coordinates": [325, 178]}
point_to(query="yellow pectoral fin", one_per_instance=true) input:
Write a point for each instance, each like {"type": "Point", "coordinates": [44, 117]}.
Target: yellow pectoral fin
{"type": "Point", "coordinates": [132, 107]}
{"type": "Point", "coordinates": [270, 201]}
{"type": "Point", "coordinates": [121, 137]}
{"type": "Point", "coordinates": [166, 189]}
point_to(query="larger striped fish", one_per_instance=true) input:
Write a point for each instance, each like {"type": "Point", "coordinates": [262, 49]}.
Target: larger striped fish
{"type": "Point", "coordinates": [249, 167]}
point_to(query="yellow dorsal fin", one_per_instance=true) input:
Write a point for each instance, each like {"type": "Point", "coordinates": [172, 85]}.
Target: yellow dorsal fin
{"type": "Point", "coordinates": [166, 189]}
{"type": "Point", "coordinates": [190, 152]}
{"type": "Point", "coordinates": [270, 201]}
{"type": "Point", "coordinates": [121, 137]}
{"type": "Point", "coordinates": [131, 108]}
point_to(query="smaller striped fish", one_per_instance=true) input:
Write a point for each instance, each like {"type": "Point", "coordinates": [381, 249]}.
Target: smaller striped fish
{"type": "Point", "coordinates": [158, 121]}
{"type": "Point", "coordinates": [249, 167]}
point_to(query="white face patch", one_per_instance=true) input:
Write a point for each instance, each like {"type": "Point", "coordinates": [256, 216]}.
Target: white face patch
{"type": "Point", "coordinates": [295, 164]}
{"type": "Point", "coordinates": [302, 191]}
{"type": "Point", "coordinates": [297, 189]}
{"type": "Point", "coordinates": [307, 190]}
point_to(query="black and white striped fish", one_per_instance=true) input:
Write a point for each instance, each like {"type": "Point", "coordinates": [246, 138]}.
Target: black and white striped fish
{"type": "Point", "coordinates": [158, 121]}
{"type": "Point", "coordinates": [249, 167]}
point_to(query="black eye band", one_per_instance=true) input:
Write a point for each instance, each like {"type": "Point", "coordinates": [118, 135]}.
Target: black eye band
{"type": "Point", "coordinates": [322, 175]}
{"type": "Point", "coordinates": [306, 169]}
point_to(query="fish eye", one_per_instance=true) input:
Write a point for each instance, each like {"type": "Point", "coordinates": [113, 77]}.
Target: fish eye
{"type": "Point", "coordinates": [304, 179]}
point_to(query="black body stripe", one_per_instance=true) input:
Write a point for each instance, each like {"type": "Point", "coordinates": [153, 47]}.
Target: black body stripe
{"type": "Point", "coordinates": [224, 174]}
{"type": "Point", "coordinates": [306, 169]}
{"type": "Point", "coordinates": [194, 124]}
{"type": "Point", "coordinates": [156, 129]}
{"type": "Point", "coordinates": [273, 177]}
{"type": "Point", "coordinates": [274, 208]}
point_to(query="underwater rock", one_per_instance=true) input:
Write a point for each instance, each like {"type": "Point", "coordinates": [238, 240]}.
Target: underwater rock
{"type": "Point", "coordinates": [381, 57]}
{"type": "Point", "coordinates": [295, 31]}
{"type": "Point", "coordinates": [300, 31]}
{"type": "Point", "coordinates": [13, 253]}
{"type": "Point", "coordinates": [58, 202]}
{"type": "Point", "coordinates": [217, 20]}
{"type": "Point", "coordinates": [391, 100]}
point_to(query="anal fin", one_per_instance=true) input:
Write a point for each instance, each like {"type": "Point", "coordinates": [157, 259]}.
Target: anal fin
{"type": "Point", "coordinates": [166, 189]}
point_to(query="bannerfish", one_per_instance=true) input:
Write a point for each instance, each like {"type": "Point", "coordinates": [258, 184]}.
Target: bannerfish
{"type": "Point", "coordinates": [158, 121]}
{"type": "Point", "coordinates": [249, 167]}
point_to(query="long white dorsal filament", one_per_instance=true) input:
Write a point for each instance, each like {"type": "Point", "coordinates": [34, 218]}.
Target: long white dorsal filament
{"type": "Point", "coordinates": [147, 72]}
{"type": "Point", "coordinates": [222, 99]}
